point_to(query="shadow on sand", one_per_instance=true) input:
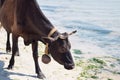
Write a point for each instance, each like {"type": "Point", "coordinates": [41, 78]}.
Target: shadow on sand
{"type": "Point", "coordinates": [5, 73]}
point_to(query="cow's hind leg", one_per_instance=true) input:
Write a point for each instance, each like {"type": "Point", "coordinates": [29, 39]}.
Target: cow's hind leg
{"type": "Point", "coordinates": [14, 50]}
{"type": "Point", "coordinates": [35, 57]}
{"type": "Point", "coordinates": [8, 46]}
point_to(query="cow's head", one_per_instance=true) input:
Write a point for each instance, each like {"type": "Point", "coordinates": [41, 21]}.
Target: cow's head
{"type": "Point", "coordinates": [59, 48]}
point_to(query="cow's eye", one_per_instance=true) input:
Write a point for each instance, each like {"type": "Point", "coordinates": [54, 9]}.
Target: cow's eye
{"type": "Point", "coordinates": [61, 42]}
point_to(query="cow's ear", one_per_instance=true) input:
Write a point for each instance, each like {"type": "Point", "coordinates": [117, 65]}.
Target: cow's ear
{"type": "Point", "coordinates": [48, 39]}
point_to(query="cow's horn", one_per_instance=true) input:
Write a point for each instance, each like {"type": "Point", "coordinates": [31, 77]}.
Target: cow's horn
{"type": "Point", "coordinates": [73, 32]}
{"type": "Point", "coordinates": [63, 36]}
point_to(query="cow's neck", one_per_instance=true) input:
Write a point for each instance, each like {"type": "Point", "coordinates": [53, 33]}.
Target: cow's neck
{"type": "Point", "coordinates": [34, 20]}
{"type": "Point", "coordinates": [41, 34]}
{"type": "Point", "coordinates": [39, 21]}
{"type": "Point", "coordinates": [52, 33]}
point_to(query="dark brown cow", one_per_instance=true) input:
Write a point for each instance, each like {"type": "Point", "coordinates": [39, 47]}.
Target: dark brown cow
{"type": "Point", "coordinates": [24, 18]}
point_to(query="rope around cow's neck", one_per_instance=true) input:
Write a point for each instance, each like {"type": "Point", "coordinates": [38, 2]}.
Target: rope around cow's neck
{"type": "Point", "coordinates": [49, 35]}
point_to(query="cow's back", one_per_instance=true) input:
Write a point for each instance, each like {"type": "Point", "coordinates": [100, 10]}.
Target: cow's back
{"type": "Point", "coordinates": [7, 14]}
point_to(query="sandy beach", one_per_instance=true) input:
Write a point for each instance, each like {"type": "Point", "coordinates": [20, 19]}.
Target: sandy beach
{"type": "Point", "coordinates": [95, 46]}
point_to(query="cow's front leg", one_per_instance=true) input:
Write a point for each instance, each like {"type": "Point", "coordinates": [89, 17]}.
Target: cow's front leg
{"type": "Point", "coordinates": [35, 57]}
{"type": "Point", "coordinates": [14, 50]}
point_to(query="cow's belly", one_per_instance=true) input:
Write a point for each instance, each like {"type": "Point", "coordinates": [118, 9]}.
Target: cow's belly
{"type": "Point", "coordinates": [6, 23]}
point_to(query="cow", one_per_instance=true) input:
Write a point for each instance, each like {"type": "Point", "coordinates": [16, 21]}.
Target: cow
{"type": "Point", "coordinates": [24, 18]}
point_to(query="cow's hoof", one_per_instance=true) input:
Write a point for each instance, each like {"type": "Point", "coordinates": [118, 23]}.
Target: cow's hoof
{"type": "Point", "coordinates": [9, 67]}
{"type": "Point", "coordinates": [41, 76]}
{"type": "Point", "coordinates": [8, 49]}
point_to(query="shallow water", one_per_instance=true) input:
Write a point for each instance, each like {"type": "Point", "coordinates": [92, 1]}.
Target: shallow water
{"type": "Point", "coordinates": [97, 23]}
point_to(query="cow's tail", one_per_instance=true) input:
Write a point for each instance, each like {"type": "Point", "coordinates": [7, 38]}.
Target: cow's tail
{"type": "Point", "coordinates": [0, 25]}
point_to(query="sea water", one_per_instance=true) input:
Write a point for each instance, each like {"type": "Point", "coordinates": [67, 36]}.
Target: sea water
{"type": "Point", "coordinates": [97, 23]}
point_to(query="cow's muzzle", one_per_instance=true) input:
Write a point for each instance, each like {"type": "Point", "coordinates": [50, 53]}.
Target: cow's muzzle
{"type": "Point", "coordinates": [69, 66]}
